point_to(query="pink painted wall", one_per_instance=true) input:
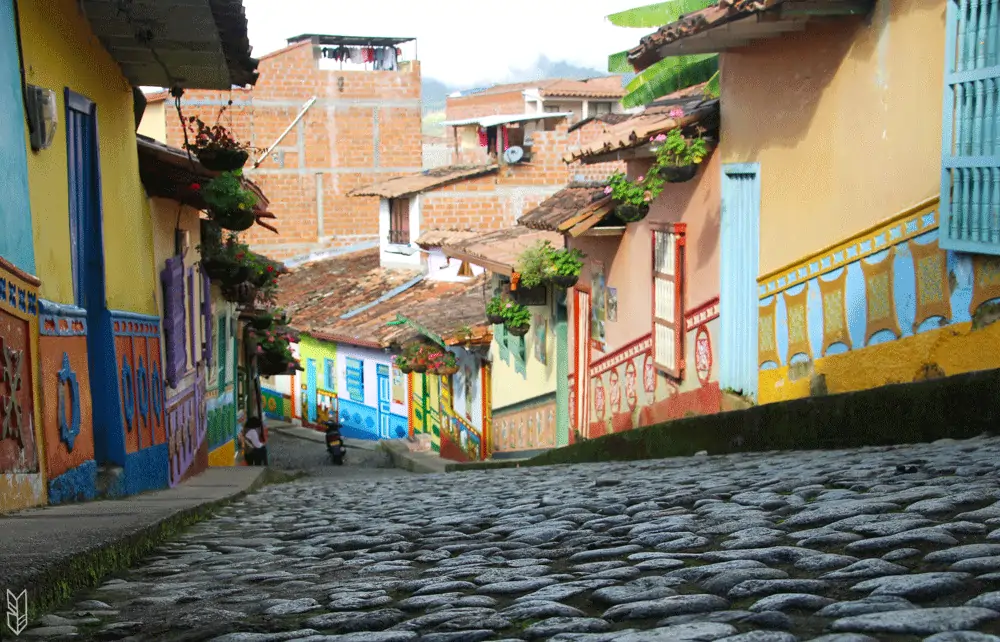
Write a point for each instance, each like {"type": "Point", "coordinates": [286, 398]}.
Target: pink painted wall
{"type": "Point", "coordinates": [628, 259]}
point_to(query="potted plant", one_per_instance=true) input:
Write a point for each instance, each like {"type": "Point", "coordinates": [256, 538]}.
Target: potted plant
{"type": "Point", "coordinates": [230, 203]}
{"type": "Point", "coordinates": [403, 364]}
{"type": "Point", "coordinates": [632, 198]}
{"type": "Point", "coordinates": [533, 265]}
{"type": "Point", "coordinates": [244, 294]}
{"type": "Point", "coordinates": [215, 146]}
{"type": "Point", "coordinates": [442, 363]}
{"type": "Point", "coordinates": [274, 353]}
{"type": "Point", "coordinates": [516, 319]}
{"type": "Point", "coordinates": [262, 320]}
{"type": "Point", "coordinates": [229, 262]}
{"type": "Point", "coordinates": [417, 356]}
{"type": "Point", "coordinates": [565, 267]}
{"type": "Point", "coordinates": [677, 157]}
{"type": "Point", "coordinates": [495, 308]}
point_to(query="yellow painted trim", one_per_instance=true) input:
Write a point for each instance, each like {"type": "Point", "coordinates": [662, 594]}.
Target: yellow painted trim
{"type": "Point", "coordinates": [829, 249]}
{"type": "Point", "coordinates": [224, 455]}
{"type": "Point", "coordinates": [928, 206]}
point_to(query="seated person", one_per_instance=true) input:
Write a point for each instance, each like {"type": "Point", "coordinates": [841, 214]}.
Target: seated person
{"type": "Point", "coordinates": [254, 449]}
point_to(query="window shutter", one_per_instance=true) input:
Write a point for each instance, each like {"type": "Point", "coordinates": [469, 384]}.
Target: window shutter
{"type": "Point", "coordinates": [206, 313]}
{"type": "Point", "coordinates": [970, 158]}
{"type": "Point", "coordinates": [172, 278]}
{"type": "Point", "coordinates": [668, 299]}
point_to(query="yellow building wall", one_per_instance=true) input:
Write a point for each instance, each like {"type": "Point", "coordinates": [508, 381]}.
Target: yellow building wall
{"type": "Point", "coordinates": [154, 121]}
{"type": "Point", "coordinates": [60, 50]}
{"type": "Point", "coordinates": [511, 386]}
{"type": "Point", "coordinates": [845, 121]}
{"type": "Point", "coordinates": [310, 348]}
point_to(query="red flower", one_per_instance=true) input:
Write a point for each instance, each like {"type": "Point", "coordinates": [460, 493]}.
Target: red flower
{"type": "Point", "coordinates": [239, 256]}
{"type": "Point", "coordinates": [195, 186]}
{"type": "Point", "coordinates": [270, 268]}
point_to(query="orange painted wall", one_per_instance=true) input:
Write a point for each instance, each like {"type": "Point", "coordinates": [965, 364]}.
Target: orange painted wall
{"type": "Point", "coordinates": [845, 121]}
{"type": "Point", "coordinates": [58, 456]}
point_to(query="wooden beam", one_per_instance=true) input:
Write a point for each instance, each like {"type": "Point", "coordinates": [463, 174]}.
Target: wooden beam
{"type": "Point", "coordinates": [492, 266]}
{"type": "Point", "coordinates": [596, 217]}
{"type": "Point", "coordinates": [605, 230]}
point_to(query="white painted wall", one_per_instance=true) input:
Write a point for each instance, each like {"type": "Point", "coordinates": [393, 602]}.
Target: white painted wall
{"type": "Point", "coordinates": [440, 268]}
{"type": "Point", "coordinates": [399, 256]}
{"type": "Point", "coordinates": [371, 359]}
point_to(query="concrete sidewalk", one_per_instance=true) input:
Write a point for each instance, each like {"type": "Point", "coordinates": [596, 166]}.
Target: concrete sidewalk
{"type": "Point", "coordinates": [311, 434]}
{"type": "Point", "coordinates": [53, 551]}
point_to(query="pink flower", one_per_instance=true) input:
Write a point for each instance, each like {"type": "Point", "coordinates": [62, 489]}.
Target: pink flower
{"type": "Point", "coordinates": [608, 189]}
{"type": "Point", "coordinates": [640, 179]}
{"type": "Point", "coordinates": [660, 138]}
{"type": "Point", "coordinates": [260, 350]}
{"type": "Point", "coordinates": [676, 113]}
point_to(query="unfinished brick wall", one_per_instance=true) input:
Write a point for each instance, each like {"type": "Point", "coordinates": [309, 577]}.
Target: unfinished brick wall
{"type": "Point", "coordinates": [364, 128]}
{"type": "Point", "coordinates": [598, 171]}
{"type": "Point", "coordinates": [498, 200]}
{"type": "Point", "coordinates": [487, 104]}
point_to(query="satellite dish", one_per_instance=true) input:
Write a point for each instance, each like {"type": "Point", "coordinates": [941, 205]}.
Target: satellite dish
{"type": "Point", "coordinates": [513, 155]}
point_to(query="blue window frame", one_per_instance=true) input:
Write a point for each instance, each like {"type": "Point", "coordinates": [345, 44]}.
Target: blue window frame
{"type": "Point", "coordinates": [329, 375]}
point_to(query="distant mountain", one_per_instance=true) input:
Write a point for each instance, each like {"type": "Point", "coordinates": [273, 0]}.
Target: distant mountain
{"type": "Point", "coordinates": [435, 92]}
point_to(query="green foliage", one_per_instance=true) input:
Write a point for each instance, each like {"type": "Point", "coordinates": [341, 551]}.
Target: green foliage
{"type": "Point", "coordinates": [668, 76]}
{"type": "Point", "coordinates": [496, 306]}
{"type": "Point", "coordinates": [516, 315]}
{"type": "Point", "coordinates": [227, 193]}
{"type": "Point", "coordinates": [653, 16]}
{"type": "Point", "coordinates": [533, 264]}
{"type": "Point", "coordinates": [712, 89]}
{"type": "Point", "coordinates": [275, 344]}
{"type": "Point", "coordinates": [677, 151]}
{"type": "Point", "coordinates": [567, 262]}
{"type": "Point", "coordinates": [212, 137]}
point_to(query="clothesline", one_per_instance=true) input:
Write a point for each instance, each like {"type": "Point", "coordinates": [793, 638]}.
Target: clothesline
{"type": "Point", "coordinates": [382, 58]}
{"type": "Point", "coordinates": [488, 138]}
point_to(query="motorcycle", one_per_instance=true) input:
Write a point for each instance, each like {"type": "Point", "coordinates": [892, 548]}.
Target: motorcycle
{"type": "Point", "coordinates": [335, 443]}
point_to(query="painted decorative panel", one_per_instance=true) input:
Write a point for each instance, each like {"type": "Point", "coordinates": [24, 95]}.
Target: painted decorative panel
{"type": "Point", "coordinates": [186, 429]}
{"type": "Point", "coordinates": [277, 405]}
{"type": "Point", "coordinates": [18, 446]}
{"type": "Point", "coordinates": [888, 306]}
{"type": "Point", "coordinates": [67, 414]}
{"type": "Point", "coordinates": [137, 348]}
{"type": "Point", "coordinates": [357, 420]}
{"type": "Point", "coordinates": [529, 428]}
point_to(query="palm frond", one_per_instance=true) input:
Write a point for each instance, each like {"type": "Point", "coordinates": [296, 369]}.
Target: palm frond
{"type": "Point", "coordinates": [618, 63]}
{"type": "Point", "coordinates": [712, 89]}
{"type": "Point", "coordinates": [669, 75]}
{"type": "Point", "coordinates": [656, 15]}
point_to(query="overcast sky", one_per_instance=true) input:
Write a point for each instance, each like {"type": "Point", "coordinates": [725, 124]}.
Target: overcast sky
{"type": "Point", "coordinates": [461, 42]}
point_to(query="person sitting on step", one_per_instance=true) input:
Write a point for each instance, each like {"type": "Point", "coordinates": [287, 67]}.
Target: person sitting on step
{"type": "Point", "coordinates": [254, 448]}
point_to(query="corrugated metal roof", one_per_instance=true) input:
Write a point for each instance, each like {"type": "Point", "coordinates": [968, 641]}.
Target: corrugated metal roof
{"type": "Point", "coordinates": [504, 119]}
{"type": "Point", "coordinates": [498, 251]}
{"type": "Point", "coordinates": [423, 181]}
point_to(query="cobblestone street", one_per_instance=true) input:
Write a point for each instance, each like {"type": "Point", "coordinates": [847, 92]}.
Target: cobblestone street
{"type": "Point", "coordinates": [845, 546]}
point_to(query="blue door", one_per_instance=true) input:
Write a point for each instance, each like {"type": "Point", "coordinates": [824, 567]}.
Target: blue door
{"type": "Point", "coordinates": [311, 389]}
{"type": "Point", "coordinates": [384, 400]}
{"type": "Point", "coordinates": [738, 279]}
{"type": "Point", "coordinates": [87, 256]}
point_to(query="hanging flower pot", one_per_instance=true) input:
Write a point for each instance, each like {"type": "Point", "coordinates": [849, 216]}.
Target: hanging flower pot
{"type": "Point", "coordinates": [564, 281]}
{"type": "Point", "coordinates": [518, 330]}
{"type": "Point", "coordinates": [419, 367]}
{"type": "Point", "coordinates": [241, 294]}
{"type": "Point", "coordinates": [630, 213]}
{"type": "Point", "coordinates": [681, 174]}
{"type": "Point", "coordinates": [218, 159]}
{"type": "Point", "coordinates": [270, 367]}
{"type": "Point", "coordinates": [233, 220]}
{"type": "Point", "coordinates": [216, 269]}
{"type": "Point", "coordinates": [446, 371]}
{"type": "Point", "coordinates": [237, 274]}
{"type": "Point", "coordinates": [262, 321]}
{"type": "Point", "coordinates": [494, 318]}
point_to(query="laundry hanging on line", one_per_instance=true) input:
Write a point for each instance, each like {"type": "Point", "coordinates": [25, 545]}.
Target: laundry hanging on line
{"type": "Point", "coordinates": [488, 138]}
{"type": "Point", "coordinates": [382, 58]}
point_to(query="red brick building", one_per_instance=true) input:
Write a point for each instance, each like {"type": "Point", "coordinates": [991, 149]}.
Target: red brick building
{"type": "Point", "coordinates": [363, 126]}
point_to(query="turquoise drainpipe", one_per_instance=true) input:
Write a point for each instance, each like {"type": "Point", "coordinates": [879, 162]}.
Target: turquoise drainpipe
{"type": "Point", "coordinates": [562, 369]}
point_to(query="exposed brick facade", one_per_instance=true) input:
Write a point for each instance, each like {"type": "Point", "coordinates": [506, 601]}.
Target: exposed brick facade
{"type": "Point", "coordinates": [588, 133]}
{"type": "Point", "coordinates": [485, 104]}
{"type": "Point", "coordinates": [364, 127]}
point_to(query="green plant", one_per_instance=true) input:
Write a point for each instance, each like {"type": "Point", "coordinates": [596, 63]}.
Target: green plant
{"type": "Point", "coordinates": [275, 344]}
{"type": "Point", "coordinates": [637, 193]}
{"type": "Point", "coordinates": [516, 315]}
{"type": "Point", "coordinates": [212, 137]}
{"type": "Point", "coordinates": [442, 361]}
{"type": "Point", "coordinates": [533, 264]}
{"type": "Point", "coordinates": [674, 150]}
{"type": "Point", "coordinates": [496, 305]}
{"type": "Point", "coordinates": [228, 193]}
{"type": "Point", "coordinates": [567, 262]}
{"type": "Point", "coordinates": [230, 251]}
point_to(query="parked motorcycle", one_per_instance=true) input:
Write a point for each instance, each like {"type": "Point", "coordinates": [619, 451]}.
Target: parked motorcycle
{"type": "Point", "coordinates": [335, 443]}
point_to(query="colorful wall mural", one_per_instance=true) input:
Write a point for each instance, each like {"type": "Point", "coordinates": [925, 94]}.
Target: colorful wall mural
{"type": "Point", "coordinates": [525, 428]}
{"type": "Point", "coordinates": [22, 480]}
{"type": "Point", "coordinates": [627, 391]}
{"type": "Point", "coordinates": [885, 306]}
{"type": "Point", "coordinates": [362, 391]}
{"type": "Point", "coordinates": [67, 414]}
{"type": "Point", "coordinates": [220, 388]}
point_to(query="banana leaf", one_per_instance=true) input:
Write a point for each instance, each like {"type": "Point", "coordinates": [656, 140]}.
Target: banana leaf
{"type": "Point", "coordinates": [712, 89]}
{"type": "Point", "coordinates": [669, 75]}
{"type": "Point", "coordinates": [656, 15]}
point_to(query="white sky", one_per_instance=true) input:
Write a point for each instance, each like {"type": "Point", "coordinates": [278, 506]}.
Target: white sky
{"type": "Point", "coordinates": [460, 42]}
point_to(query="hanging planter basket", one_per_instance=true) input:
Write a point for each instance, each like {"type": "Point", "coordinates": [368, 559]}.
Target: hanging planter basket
{"type": "Point", "coordinates": [234, 221]}
{"type": "Point", "coordinates": [418, 368]}
{"type": "Point", "coordinates": [236, 275]}
{"type": "Point", "coordinates": [565, 281]}
{"type": "Point", "coordinates": [216, 269]}
{"type": "Point", "coordinates": [218, 159]}
{"type": "Point", "coordinates": [494, 318]}
{"type": "Point", "coordinates": [518, 331]}
{"type": "Point", "coordinates": [271, 366]}
{"type": "Point", "coordinates": [674, 174]}
{"type": "Point", "coordinates": [404, 369]}
{"type": "Point", "coordinates": [631, 213]}
{"type": "Point", "coordinates": [446, 371]}
{"type": "Point", "coordinates": [262, 321]}
{"type": "Point", "coordinates": [242, 293]}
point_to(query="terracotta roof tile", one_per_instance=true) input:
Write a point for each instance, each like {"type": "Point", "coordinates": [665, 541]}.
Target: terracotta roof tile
{"type": "Point", "coordinates": [439, 237]}
{"type": "Point", "coordinates": [656, 119]}
{"type": "Point", "coordinates": [423, 181]}
{"type": "Point", "coordinates": [564, 205]}
{"type": "Point", "coordinates": [498, 251]}
{"type": "Point", "coordinates": [316, 296]}
{"type": "Point", "coordinates": [601, 87]}
{"type": "Point", "coordinates": [608, 119]}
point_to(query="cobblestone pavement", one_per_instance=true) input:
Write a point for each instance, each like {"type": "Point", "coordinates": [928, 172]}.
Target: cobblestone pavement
{"type": "Point", "coordinates": [293, 453]}
{"type": "Point", "coordinates": [878, 544]}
